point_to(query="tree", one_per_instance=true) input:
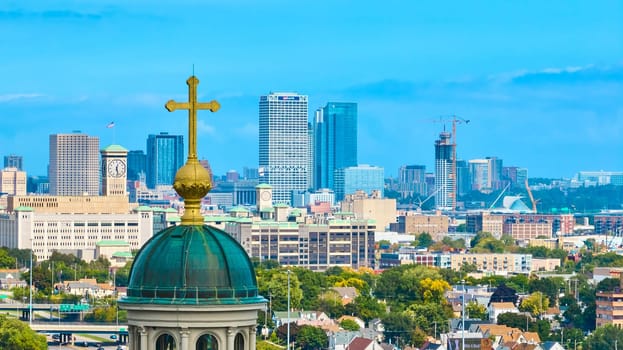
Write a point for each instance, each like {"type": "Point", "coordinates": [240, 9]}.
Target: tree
{"type": "Point", "coordinates": [357, 283]}
{"type": "Point", "coordinates": [433, 290]}
{"type": "Point", "coordinates": [550, 286]}
{"type": "Point", "coordinates": [282, 331]}
{"type": "Point", "coordinates": [349, 325]}
{"type": "Point", "coordinates": [312, 338]}
{"type": "Point", "coordinates": [515, 320]}
{"type": "Point", "coordinates": [366, 307]}
{"type": "Point", "coordinates": [608, 284]}
{"type": "Point", "coordinates": [278, 287]}
{"type": "Point", "coordinates": [424, 239]}
{"type": "Point", "coordinates": [518, 282]}
{"type": "Point", "coordinates": [476, 310]}
{"type": "Point", "coordinates": [507, 240]}
{"type": "Point", "coordinates": [330, 302]}
{"type": "Point", "coordinates": [428, 315]}
{"type": "Point", "coordinates": [312, 284]}
{"type": "Point", "coordinates": [543, 328]}
{"type": "Point", "coordinates": [16, 335]}
{"type": "Point", "coordinates": [6, 260]}
{"type": "Point", "coordinates": [468, 268]}
{"type": "Point", "coordinates": [603, 338]}
{"type": "Point", "coordinates": [418, 337]}
{"type": "Point", "coordinates": [536, 304]}
{"type": "Point", "coordinates": [398, 326]}
{"type": "Point", "coordinates": [479, 237]}
{"type": "Point", "coordinates": [572, 337]}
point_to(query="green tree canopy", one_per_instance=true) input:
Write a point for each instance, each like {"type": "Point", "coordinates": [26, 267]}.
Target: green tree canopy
{"type": "Point", "coordinates": [424, 239]}
{"type": "Point", "coordinates": [536, 304]}
{"type": "Point", "coordinates": [603, 338]}
{"type": "Point", "coordinates": [476, 310]}
{"type": "Point", "coordinates": [349, 325]}
{"type": "Point", "coordinates": [277, 290]}
{"type": "Point", "coordinates": [515, 320]}
{"type": "Point", "coordinates": [312, 338]}
{"type": "Point", "coordinates": [366, 307]}
{"type": "Point", "coordinates": [16, 335]}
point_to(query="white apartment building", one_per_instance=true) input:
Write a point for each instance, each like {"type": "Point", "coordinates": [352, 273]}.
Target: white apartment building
{"type": "Point", "coordinates": [283, 144]}
{"type": "Point", "coordinates": [75, 233]}
{"type": "Point", "coordinates": [347, 243]}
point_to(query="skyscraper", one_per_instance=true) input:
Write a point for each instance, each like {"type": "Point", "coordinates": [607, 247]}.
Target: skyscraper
{"type": "Point", "coordinates": [335, 141]}
{"type": "Point", "coordinates": [13, 161]}
{"type": "Point", "coordinates": [74, 165]}
{"type": "Point", "coordinates": [412, 181]}
{"type": "Point", "coordinates": [165, 154]}
{"type": "Point", "coordinates": [283, 144]}
{"type": "Point", "coordinates": [445, 179]}
{"type": "Point", "coordinates": [495, 172]}
{"type": "Point", "coordinates": [137, 164]}
{"type": "Point", "coordinates": [358, 178]}
{"type": "Point", "coordinates": [463, 184]}
{"type": "Point", "coordinates": [480, 175]}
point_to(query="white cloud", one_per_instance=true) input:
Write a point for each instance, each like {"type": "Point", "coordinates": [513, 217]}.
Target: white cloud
{"type": "Point", "coordinates": [204, 128]}
{"type": "Point", "coordinates": [249, 129]}
{"type": "Point", "coordinates": [17, 97]}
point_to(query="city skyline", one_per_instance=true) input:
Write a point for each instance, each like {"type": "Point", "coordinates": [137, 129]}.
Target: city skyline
{"type": "Point", "coordinates": [538, 81]}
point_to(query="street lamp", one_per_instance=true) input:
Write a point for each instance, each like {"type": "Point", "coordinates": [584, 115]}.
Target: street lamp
{"type": "Point", "coordinates": [30, 305]}
{"type": "Point", "coordinates": [114, 282]}
{"type": "Point", "coordinates": [288, 327]}
{"type": "Point", "coordinates": [463, 316]}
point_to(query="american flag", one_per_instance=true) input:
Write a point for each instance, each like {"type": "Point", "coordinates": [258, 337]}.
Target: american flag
{"type": "Point", "coordinates": [110, 125]}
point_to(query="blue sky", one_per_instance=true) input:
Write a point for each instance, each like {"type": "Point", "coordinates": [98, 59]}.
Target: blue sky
{"type": "Point", "coordinates": [541, 81]}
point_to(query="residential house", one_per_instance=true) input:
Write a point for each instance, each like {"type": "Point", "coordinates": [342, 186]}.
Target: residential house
{"type": "Point", "coordinates": [357, 320]}
{"type": "Point", "coordinates": [348, 294]}
{"type": "Point", "coordinates": [552, 345]}
{"type": "Point", "coordinates": [495, 309]}
{"type": "Point", "coordinates": [10, 278]}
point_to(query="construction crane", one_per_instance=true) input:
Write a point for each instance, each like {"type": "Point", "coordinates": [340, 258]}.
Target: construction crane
{"type": "Point", "coordinates": [454, 120]}
{"type": "Point", "coordinates": [534, 202]}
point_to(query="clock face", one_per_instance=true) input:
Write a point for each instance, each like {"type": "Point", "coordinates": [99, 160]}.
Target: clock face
{"type": "Point", "coordinates": [116, 168]}
{"type": "Point", "coordinates": [265, 195]}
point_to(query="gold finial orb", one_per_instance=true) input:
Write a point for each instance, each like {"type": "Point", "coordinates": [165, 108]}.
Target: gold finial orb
{"type": "Point", "coordinates": [192, 182]}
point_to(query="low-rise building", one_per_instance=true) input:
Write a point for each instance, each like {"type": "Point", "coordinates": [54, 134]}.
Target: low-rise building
{"type": "Point", "coordinates": [493, 262]}
{"type": "Point", "coordinates": [347, 243]}
{"type": "Point", "coordinates": [373, 207]}
{"type": "Point", "coordinates": [484, 221]}
{"type": "Point", "coordinates": [525, 231]}
{"type": "Point", "coordinates": [496, 309]}
{"type": "Point", "coordinates": [502, 263]}
{"type": "Point", "coordinates": [413, 223]}
{"type": "Point", "coordinates": [545, 264]}
{"type": "Point", "coordinates": [26, 228]}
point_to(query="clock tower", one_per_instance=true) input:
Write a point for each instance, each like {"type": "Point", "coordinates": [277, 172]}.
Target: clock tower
{"type": "Point", "coordinates": [264, 196]}
{"type": "Point", "coordinates": [114, 170]}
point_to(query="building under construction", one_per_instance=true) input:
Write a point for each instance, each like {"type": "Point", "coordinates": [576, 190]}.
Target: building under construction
{"type": "Point", "coordinates": [445, 177]}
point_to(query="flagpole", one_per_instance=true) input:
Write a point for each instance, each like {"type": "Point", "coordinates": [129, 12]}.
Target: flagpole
{"type": "Point", "coordinates": [111, 125]}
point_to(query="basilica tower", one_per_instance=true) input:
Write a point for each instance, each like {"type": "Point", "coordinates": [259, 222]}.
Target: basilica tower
{"type": "Point", "coordinates": [192, 287]}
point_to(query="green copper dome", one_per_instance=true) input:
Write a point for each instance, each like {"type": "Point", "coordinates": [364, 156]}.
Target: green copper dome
{"type": "Point", "coordinates": [192, 264]}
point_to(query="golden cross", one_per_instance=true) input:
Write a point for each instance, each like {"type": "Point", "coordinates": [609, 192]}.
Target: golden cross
{"type": "Point", "coordinates": [192, 106]}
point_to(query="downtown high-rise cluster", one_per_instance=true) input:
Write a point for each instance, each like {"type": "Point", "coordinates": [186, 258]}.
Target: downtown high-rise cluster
{"type": "Point", "coordinates": [296, 155]}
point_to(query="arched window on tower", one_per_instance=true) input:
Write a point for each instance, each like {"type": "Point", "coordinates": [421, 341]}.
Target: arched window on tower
{"type": "Point", "coordinates": [166, 342]}
{"type": "Point", "coordinates": [207, 342]}
{"type": "Point", "coordinates": [239, 342]}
